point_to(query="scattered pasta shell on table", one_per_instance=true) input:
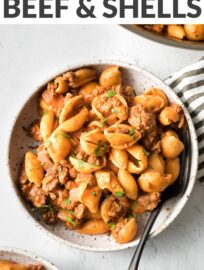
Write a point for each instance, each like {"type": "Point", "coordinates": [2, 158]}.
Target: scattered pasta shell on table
{"type": "Point", "coordinates": [121, 136]}
{"type": "Point", "coordinates": [110, 76]}
{"type": "Point", "coordinates": [82, 77]}
{"type": "Point", "coordinates": [128, 183]}
{"type": "Point", "coordinates": [171, 146]}
{"type": "Point", "coordinates": [94, 142]}
{"type": "Point", "coordinates": [157, 92]}
{"type": "Point", "coordinates": [173, 168]}
{"type": "Point", "coordinates": [125, 231]}
{"type": "Point", "coordinates": [156, 162]}
{"type": "Point", "coordinates": [93, 227]}
{"type": "Point", "coordinates": [61, 84]}
{"type": "Point", "coordinates": [33, 169]}
{"type": "Point", "coordinates": [108, 180]}
{"type": "Point", "coordinates": [76, 122]}
{"type": "Point", "coordinates": [70, 108]}
{"type": "Point", "coordinates": [58, 145]}
{"type": "Point", "coordinates": [119, 158]}
{"type": "Point", "coordinates": [111, 107]}
{"type": "Point", "coordinates": [137, 159]}
{"type": "Point", "coordinates": [85, 167]}
{"type": "Point", "coordinates": [151, 102]}
{"type": "Point", "coordinates": [46, 124]}
{"type": "Point", "coordinates": [153, 181]}
{"type": "Point", "coordinates": [194, 31]}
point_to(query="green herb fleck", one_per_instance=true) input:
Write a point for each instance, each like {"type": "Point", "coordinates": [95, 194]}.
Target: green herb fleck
{"type": "Point", "coordinates": [102, 122]}
{"type": "Point", "coordinates": [98, 148]}
{"type": "Point", "coordinates": [67, 136]}
{"type": "Point", "coordinates": [116, 111]}
{"type": "Point", "coordinates": [150, 167]}
{"type": "Point", "coordinates": [59, 170]}
{"type": "Point", "coordinates": [67, 201]}
{"type": "Point", "coordinates": [68, 219]}
{"type": "Point", "coordinates": [46, 112]}
{"type": "Point", "coordinates": [146, 153]}
{"type": "Point", "coordinates": [94, 193]}
{"type": "Point", "coordinates": [119, 193]}
{"type": "Point", "coordinates": [111, 225]}
{"type": "Point", "coordinates": [44, 208]}
{"type": "Point", "coordinates": [105, 147]}
{"type": "Point", "coordinates": [71, 212]}
{"type": "Point", "coordinates": [132, 133]}
{"type": "Point", "coordinates": [47, 143]}
{"type": "Point", "coordinates": [111, 93]}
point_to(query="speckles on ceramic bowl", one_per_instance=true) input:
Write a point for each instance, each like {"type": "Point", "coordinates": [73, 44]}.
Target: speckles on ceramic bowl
{"type": "Point", "coordinates": [24, 257]}
{"type": "Point", "coordinates": [20, 143]}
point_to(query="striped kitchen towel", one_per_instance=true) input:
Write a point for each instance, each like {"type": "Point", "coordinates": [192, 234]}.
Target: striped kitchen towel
{"type": "Point", "coordinates": [188, 84]}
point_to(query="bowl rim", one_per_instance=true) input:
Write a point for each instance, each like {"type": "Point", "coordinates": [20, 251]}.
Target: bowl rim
{"type": "Point", "coordinates": [29, 254]}
{"type": "Point", "coordinates": [162, 39]}
{"type": "Point", "coordinates": [193, 140]}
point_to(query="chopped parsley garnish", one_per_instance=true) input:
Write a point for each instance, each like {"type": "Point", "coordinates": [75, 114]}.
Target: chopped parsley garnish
{"type": "Point", "coordinates": [67, 136]}
{"type": "Point", "coordinates": [67, 201]}
{"type": "Point", "coordinates": [111, 93]}
{"type": "Point", "coordinates": [116, 111]}
{"type": "Point", "coordinates": [132, 133]}
{"type": "Point", "coordinates": [71, 212]}
{"type": "Point", "coordinates": [47, 143]}
{"type": "Point", "coordinates": [98, 148]}
{"type": "Point", "coordinates": [44, 208]}
{"type": "Point", "coordinates": [68, 219]}
{"type": "Point", "coordinates": [94, 193]}
{"type": "Point", "coordinates": [59, 170]}
{"type": "Point", "coordinates": [111, 225]}
{"type": "Point", "coordinates": [119, 193]}
{"type": "Point", "coordinates": [146, 153]}
{"type": "Point", "coordinates": [46, 112]}
{"type": "Point", "coordinates": [102, 122]}
{"type": "Point", "coordinates": [105, 147]}
{"type": "Point", "coordinates": [150, 167]}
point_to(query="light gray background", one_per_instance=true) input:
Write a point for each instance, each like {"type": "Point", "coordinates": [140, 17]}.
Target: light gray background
{"type": "Point", "coordinates": [30, 54]}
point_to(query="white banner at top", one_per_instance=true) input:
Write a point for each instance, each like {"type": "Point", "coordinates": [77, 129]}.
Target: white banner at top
{"type": "Point", "coordinates": [101, 11]}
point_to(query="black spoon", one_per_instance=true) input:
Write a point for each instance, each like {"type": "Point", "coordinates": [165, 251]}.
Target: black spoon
{"type": "Point", "coordinates": [178, 189]}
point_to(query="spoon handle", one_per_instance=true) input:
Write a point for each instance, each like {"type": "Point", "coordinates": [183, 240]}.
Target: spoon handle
{"type": "Point", "coordinates": [138, 252]}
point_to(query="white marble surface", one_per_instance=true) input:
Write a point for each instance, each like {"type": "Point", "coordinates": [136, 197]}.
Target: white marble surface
{"type": "Point", "coordinates": [28, 55]}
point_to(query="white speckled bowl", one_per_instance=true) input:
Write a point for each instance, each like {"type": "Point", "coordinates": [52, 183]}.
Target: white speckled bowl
{"type": "Point", "coordinates": [19, 142]}
{"type": "Point", "coordinates": [24, 257]}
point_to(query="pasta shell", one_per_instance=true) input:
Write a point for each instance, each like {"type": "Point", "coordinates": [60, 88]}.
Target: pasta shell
{"type": "Point", "coordinates": [93, 227]}
{"type": "Point", "coordinates": [70, 108]}
{"type": "Point", "coordinates": [155, 103]}
{"type": "Point", "coordinates": [119, 158]}
{"type": "Point", "coordinates": [105, 208]}
{"type": "Point", "coordinates": [85, 167]}
{"type": "Point", "coordinates": [156, 162]}
{"type": "Point", "coordinates": [125, 231]}
{"type": "Point", "coordinates": [108, 180]}
{"type": "Point", "coordinates": [110, 106]}
{"type": "Point", "coordinates": [58, 145]}
{"type": "Point", "coordinates": [62, 85]}
{"type": "Point", "coordinates": [87, 92]}
{"type": "Point", "coordinates": [173, 168]}
{"type": "Point", "coordinates": [152, 181]}
{"type": "Point", "coordinates": [137, 159]}
{"type": "Point", "coordinates": [46, 124]}
{"type": "Point", "coordinates": [94, 143]}
{"type": "Point", "coordinates": [110, 76]}
{"type": "Point", "coordinates": [82, 77]}
{"type": "Point", "coordinates": [33, 169]}
{"type": "Point", "coordinates": [171, 147]}
{"type": "Point", "coordinates": [90, 196]}
{"type": "Point", "coordinates": [128, 183]}
{"type": "Point", "coordinates": [157, 92]}
{"type": "Point", "coordinates": [122, 136]}
{"type": "Point", "coordinates": [76, 122]}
